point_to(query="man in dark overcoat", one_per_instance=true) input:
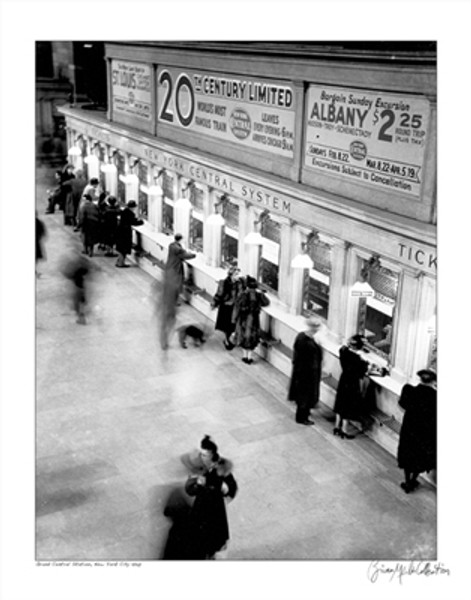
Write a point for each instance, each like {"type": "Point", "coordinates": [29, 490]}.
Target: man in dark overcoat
{"type": "Point", "coordinates": [127, 220]}
{"type": "Point", "coordinates": [417, 450]}
{"type": "Point", "coordinates": [306, 373]}
{"type": "Point", "coordinates": [174, 272]}
{"type": "Point", "coordinates": [173, 286]}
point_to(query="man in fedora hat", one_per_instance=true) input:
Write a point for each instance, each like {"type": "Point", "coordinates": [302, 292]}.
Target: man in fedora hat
{"type": "Point", "coordinates": [127, 221]}
{"type": "Point", "coordinates": [306, 373]}
{"type": "Point", "coordinates": [417, 450]}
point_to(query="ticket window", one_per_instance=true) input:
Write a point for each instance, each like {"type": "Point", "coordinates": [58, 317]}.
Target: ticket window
{"type": "Point", "coordinates": [230, 237]}
{"type": "Point", "coordinates": [316, 288]}
{"type": "Point", "coordinates": [196, 197]}
{"type": "Point", "coordinates": [376, 313]}
{"type": "Point", "coordinates": [269, 264]}
{"type": "Point", "coordinates": [167, 202]}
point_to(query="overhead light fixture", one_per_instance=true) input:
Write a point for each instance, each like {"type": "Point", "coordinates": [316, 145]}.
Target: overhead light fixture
{"type": "Point", "coordinates": [361, 288]}
{"type": "Point", "coordinates": [303, 260]}
{"type": "Point", "coordinates": [255, 238]}
{"type": "Point", "coordinates": [74, 151]}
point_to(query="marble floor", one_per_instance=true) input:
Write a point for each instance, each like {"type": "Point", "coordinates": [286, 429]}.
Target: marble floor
{"type": "Point", "coordinates": [114, 413]}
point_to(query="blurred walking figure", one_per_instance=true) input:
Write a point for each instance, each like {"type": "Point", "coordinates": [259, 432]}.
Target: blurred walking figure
{"type": "Point", "coordinates": [349, 399]}
{"type": "Point", "coordinates": [179, 544]}
{"type": "Point", "coordinates": [307, 371]}
{"type": "Point", "coordinates": [110, 225]}
{"type": "Point", "coordinates": [41, 234]}
{"type": "Point", "coordinates": [127, 220]}
{"type": "Point", "coordinates": [172, 288]}
{"type": "Point", "coordinates": [247, 318]}
{"type": "Point", "coordinates": [174, 271]}
{"type": "Point", "coordinates": [89, 224]}
{"type": "Point", "coordinates": [417, 450]}
{"type": "Point", "coordinates": [77, 269]}
{"type": "Point", "coordinates": [209, 527]}
{"type": "Point", "coordinates": [224, 300]}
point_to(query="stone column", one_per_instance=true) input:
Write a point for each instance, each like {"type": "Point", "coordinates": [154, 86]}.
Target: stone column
{"type": "Point", "coordinates": [181, 218]}
{"type": "Point", "coordinates": [285, 272]}
{"type": "Point", "coordinates": [252, 252]}
{"type": "Point", "coordinates": [297, 275]}
{"type": "Point", "coordinates": [405, 321]}
{"type": "Point", "coordinates": [339, 291]}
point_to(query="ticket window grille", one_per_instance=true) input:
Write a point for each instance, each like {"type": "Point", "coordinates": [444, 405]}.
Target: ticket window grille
{"type": "Point", "coordinates": [376, 314]}
{"type": "Point", "coordinates": [230, 237]}
{"type": "Point", "coordinates": [316, 289]}
{"type": "Point", "coordinates": [196, 197]}
{"type": "Point", "coordinates": [143, 200]}
{"type": "Point", "coordinates": [167, 203]}
{"type": "Point", "coordinates": [270, 254]}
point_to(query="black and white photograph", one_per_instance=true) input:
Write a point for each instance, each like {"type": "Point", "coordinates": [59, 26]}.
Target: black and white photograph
{"type": "Point", "coordinates": [238, 342]}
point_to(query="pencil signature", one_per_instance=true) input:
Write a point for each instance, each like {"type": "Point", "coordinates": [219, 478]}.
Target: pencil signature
{"type": "Point", "coordinates": [398, 571]}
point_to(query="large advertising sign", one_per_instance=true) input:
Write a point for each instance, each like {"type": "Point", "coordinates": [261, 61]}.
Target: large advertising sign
{"type": "Point", "coordinates": [131, 89]}
{"type": "Point", "coordinates": [256, 113]}
{"type": "Point", "coordinates": [370, 137]}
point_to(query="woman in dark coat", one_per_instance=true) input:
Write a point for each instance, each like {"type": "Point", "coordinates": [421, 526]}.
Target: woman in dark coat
{"type": "Point", "coordinates": [306, 373]}
{"type": "Point", "coordinates": [247, 318]}
{"type": "Point", "coordinates": [89, 224]}
{"type": "Point", "coordinates": [110, 225]}
{"type": "Point", "coordinates": [224, 300]}
{"type": "Point", "coordinates": [127, 220]}
{"type": "Point", "coordinates": [349, 399]}
{"type": "Point", "coordinates": [208, 517]}
{"type": "Point", "coordinates": [417, 450]}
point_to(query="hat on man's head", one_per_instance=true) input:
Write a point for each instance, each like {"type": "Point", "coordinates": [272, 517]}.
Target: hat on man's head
{"type": "Point", "coordinates": [357, 341]}
{"type": "Point", "coordinates": [178, 237]}
{"type": "Point", "coordinates": [131, 204]}
{"type": "Point", "coordinates": [427, 375]}
{"type": "Point", "coordinates": [313, 322]}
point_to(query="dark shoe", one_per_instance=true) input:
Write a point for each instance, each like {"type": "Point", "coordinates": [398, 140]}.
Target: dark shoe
{"type": "Point", "coordinates": [245, 360]}
{"type": "Point", "coordinates": [336, 431]}
{"type": "Point", "coordinates": [406, 487]}
{"type": "Point", "coordinates": [228, 345]}
{"type": "Point", "coordinates": [345, 436]}
{"type": "Point", "coordinates": [413, 484]}
{"type": "Point", "coordinates": [250, 361]}
{"type": "Point", "coordinates": [306, 422]}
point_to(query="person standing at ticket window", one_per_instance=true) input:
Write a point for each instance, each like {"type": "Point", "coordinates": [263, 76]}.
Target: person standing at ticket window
{"type": "Point", "coordinates": [417, 450]}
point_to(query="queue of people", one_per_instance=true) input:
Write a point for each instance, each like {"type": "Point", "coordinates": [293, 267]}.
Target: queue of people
{"type": "Point", "coordinates": [94, 213]}
{"type": "Point", "coordinates": [239, 301]}
{"type": "Point", "coordinates": [417, 449]}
